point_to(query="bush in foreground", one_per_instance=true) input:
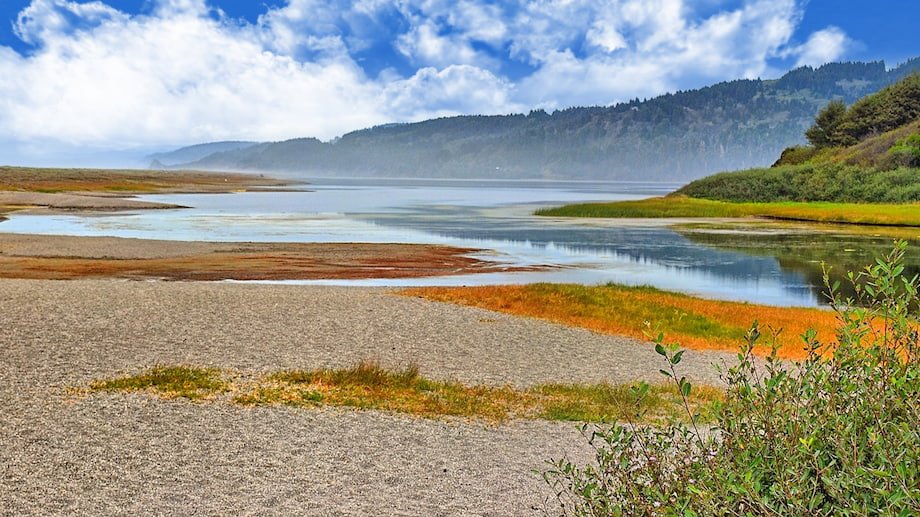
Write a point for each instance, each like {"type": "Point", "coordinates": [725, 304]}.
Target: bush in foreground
{"type": "Point", "coordinates": [835, 434]}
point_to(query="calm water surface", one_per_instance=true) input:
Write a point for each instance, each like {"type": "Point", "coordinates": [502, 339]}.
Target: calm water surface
{"type": "Point", "coordinates": [761, 265]}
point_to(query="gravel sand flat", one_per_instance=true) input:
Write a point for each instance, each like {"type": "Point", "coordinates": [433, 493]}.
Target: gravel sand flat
{"type": "Point", "coordinates": [67, 201]}
{"type": "Point", "coordinates": [119, 454]}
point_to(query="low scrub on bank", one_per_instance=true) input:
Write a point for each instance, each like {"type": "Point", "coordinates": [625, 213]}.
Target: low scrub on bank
{"type": "Point", "coordinates": [369, 386]}
{"type": "Point", "coordinates": [810, 183]}
{"type": "Point", "coordinates": [834, 434]}
{"type": "Point", "coordinates": [697, 323]}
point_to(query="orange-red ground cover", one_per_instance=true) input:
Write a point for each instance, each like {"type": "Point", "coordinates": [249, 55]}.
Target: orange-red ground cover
{"type": "Point", "coordinates": [270, 261]}
{"type": "Point", "coordinates": [632, 311]}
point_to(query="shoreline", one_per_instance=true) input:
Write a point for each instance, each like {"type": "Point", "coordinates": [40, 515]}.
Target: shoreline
{"type": "Point", "coordinates": [95, 190]}
{"type": "Point", "coordinates": [89, 191]}
{"type": "Point", "coordinates": [54, 257]}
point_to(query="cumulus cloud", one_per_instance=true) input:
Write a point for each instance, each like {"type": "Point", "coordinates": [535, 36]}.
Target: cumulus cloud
{"type": "Point", "coordinates": [455, 89]}
{"type": "Point", "coordinates": [823, 46]}
{"type": "Point", "coordinates": [176, 76]}
{"type": "Point", "coordinates": [185, 72]}
{"type": "Point", "coordinates": [424, 44]}
{"type": "Point", "coordinates": [42, 21]}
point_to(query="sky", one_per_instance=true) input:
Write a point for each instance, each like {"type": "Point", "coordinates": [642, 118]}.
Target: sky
{"type": "Point", "coordinates": [79, 78]}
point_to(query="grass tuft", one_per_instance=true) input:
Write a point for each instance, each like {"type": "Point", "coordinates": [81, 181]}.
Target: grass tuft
{"type": "Point", "coordinates": [609, 403]}
{"type": "Point", "coordinates": [369, 386]}
{"type": "Point", "coordinates": [168, 382]}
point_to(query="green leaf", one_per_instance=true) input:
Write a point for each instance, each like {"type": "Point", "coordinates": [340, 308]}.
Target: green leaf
{"type": "Point", "coordinates": [661, 351]}
{"type": "Point", "coordinates": [676, 358]}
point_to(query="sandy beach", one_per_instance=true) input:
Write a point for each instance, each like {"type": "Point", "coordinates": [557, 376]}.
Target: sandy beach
{"type": "Point", "coordinates": [118, 454]}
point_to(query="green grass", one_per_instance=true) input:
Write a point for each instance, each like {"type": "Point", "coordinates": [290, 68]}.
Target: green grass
{"type": "Point", "coordinates": [368, 386]}
{"type": "Point", "coordinates": [606, 403]}
{"type": "Point", "coordinates": [686, 207]}
{"type": "Point", "coordinates": [168, 382]}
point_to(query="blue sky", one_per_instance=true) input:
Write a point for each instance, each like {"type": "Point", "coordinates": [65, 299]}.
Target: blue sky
{"type": "Point", "coordinates": [126, 74]}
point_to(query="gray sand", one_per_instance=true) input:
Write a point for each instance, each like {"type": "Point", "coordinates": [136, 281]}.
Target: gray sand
{"type": "Point", "coordinates": [120, 454]}
{"type": "Point", "coordinates": [78, 201]}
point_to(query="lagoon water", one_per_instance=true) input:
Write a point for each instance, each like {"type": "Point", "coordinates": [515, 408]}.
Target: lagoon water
{"type": "Point", "coordinates": [491, 215]}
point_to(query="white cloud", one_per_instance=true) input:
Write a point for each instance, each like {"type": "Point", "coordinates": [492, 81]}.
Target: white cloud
{"type": "Point", "coordinates": [823, 46]}
{"type": "Point", "coordinates": [43, 20]}
{"type": "Point", "coordinates": [454, 90]}
{"type": "Point", "coordinates": [168, 8]}
{"type": "Point", "coordinates": [668, 50]}
{"type": "Point", "coordinates": [425, 45]}
{"type": "Point", "coordinates": [479, 22]}
{"type": "Point", "coordinates": [177, 77]}
{"type": "Point", "coordinates": [187, 73]}
{"type": "Point", "coordinates": [604, 36]}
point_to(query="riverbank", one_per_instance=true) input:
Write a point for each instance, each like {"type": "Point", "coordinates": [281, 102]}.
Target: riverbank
{"type": "Point", "coordinates": [50, 190]}
{"type": "Point", "coordinates": [127, 182]}
{"type": "Point", "coordinates": [685, 207]}
{"type": "Point", "coordinates": [53, 257]}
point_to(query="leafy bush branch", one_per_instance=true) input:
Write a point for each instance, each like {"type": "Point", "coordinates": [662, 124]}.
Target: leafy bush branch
{"type": "Point", "coordinates": [835, 434]}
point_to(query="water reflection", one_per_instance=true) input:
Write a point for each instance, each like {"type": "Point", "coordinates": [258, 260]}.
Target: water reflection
{"type": "Point", "coordinates": [809, 249]}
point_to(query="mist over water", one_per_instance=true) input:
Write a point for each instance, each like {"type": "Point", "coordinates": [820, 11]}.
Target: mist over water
{"type": "Point", "coordinates": [493, 216]}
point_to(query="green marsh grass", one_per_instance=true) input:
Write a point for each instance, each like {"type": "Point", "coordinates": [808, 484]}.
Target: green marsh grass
{"type": "Point", "coordinates": [684, 207]}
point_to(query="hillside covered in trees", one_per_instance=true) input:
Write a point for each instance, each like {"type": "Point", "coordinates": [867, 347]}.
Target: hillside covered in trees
{"type": "Point", "coordinates": [674, 137]}
{"type": "Point", "coordinates": [869, 152]}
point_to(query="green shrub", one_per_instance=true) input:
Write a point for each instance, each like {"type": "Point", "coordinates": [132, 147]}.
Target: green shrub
{"type": "Point", "coordinates": [796, 155]}
{"type": "Point", "coordinates": [891, 107]}
{"type": "Point", "coordinates": [810, 182]}
{"type": "Point", "coordinates": [907, 151]}
{"type": "Point", "coordinates": [836, 434]}
{"type": "Point", "coordinates": [821, 134]}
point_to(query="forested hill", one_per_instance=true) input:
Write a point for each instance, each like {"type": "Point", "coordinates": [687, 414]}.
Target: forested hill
{"type": "Point", "coordinates": [681, 136]}
{"type": "Point", "coordinates": [193, 153]}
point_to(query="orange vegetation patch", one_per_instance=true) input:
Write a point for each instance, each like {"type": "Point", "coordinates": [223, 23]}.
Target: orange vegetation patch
{"type": "Point", "coordinates": [632, 311]}
{"type": "Point", "coordinates": [258, 262]}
